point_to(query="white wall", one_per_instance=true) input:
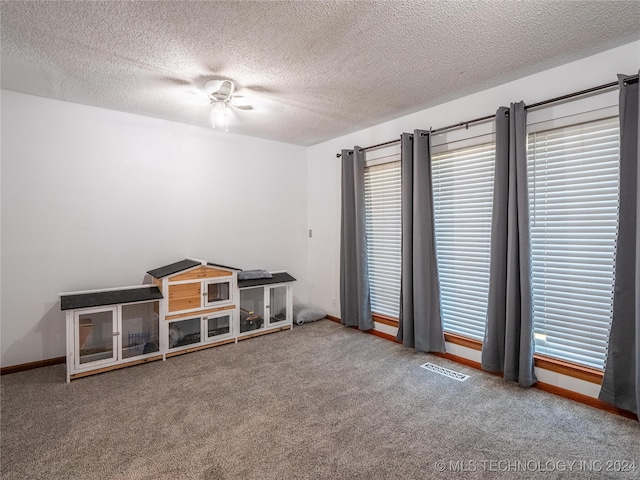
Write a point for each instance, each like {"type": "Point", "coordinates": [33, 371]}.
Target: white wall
{"type": "Point", "coordinates": [324, 168]}
{"type": "Point", "coordinates": [93, 198]}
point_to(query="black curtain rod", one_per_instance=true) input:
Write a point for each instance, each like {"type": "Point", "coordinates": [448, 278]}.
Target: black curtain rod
{"type": "Point", "coordinates": [632, 79]}
{"type": "Point", "coordinates": [575, 94]}
{"type": "Point", "coordinates": [390, 142]}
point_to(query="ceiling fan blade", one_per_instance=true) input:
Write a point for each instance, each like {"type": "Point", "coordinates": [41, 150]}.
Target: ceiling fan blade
{"type": "Point", "coordinates": [241, 107]}
{"type": "Point", "coordinates": [261, 89]}
{"type": "Point", "coordinates": [175, 81]}
{"type": "Point", "coordinates": [196, 97]}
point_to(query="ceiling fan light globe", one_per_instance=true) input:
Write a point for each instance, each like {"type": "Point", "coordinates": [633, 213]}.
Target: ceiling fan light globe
{"type": "Point", "coordinates": [219, 116]}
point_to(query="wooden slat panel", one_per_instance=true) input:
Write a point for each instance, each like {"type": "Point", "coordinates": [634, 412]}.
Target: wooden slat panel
{"type": "Point", "coordinates": [184, 297]}
{"type": "Point", "coordinates": [199, 312]}
{"type": "Point", "coordinates": [200, 273]}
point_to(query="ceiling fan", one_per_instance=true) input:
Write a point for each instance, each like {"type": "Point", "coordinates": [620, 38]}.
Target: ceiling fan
{"type": "Point", "coordinates": [221, 96]}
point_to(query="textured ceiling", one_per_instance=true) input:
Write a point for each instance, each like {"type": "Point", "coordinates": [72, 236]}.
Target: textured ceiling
{"type": "Point", "coordinates": [312, 70]}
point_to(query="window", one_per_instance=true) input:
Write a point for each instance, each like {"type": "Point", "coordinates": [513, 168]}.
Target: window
{"type": "Point", "coordinates": [463, 200]}
{"type": "Point", "coordinates": [573, 171]}
{"type": "Point", "coordinates": [463, 196]}
{"type": "Point", "coordinates": [384, 236]}
{"type": "Point", "coordinates": [573, 200]}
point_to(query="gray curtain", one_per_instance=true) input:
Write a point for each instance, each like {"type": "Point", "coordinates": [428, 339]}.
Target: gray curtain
{"type": "Point", "coordinates": [621, 383]}
{"type": "Point", "coordinates": [420, 315]}
{"type": "Point", "coordinates": [508, 342]}
{"type": "Point", "coordinates": [355, 301]}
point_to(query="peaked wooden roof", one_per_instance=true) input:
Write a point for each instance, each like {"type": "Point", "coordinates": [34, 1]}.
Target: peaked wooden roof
{"type": "Point", "coordinates": [185, 264]}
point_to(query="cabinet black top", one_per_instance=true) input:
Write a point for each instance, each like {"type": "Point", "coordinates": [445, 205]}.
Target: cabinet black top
{"type": "Point", "coordinates": [176, 267]}
{"type": "Point", "coordinates": [172, 268]}
{"type": "Point", "coordinates": [109, 297]}
{"type": "Point", "coordinates": [277, 278]}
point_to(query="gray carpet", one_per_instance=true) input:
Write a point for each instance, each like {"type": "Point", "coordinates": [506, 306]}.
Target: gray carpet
{"type": "Point", "coordinates": [320, 402]}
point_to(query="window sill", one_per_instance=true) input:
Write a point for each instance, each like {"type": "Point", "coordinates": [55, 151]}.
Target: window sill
{"type": "Point", "coordinates": [449, 337]}
{"type": "Point", "coordinates": [385, 320]}
{"type": "Point", "coordinates": [569, 369]}
{"type": "Point", "coordinates": [463, 341]}
{"type": "Point", "coordinates": [588, 374]}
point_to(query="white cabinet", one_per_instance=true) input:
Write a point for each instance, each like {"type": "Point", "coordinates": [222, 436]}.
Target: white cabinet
{"type": "Point", "coordinates": [191, 305]}
{"type": "Point", "coordinates": [265, 304]}
{"type": "Point", "coordinates": [108, 329]}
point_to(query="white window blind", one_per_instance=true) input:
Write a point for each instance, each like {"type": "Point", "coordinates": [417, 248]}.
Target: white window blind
{"type": "Point", "coordinates": [573, 194]}
{"type": "Point", "coordinates": [463, 200]}
{"type": "Point", "coordinates": [383, 225]}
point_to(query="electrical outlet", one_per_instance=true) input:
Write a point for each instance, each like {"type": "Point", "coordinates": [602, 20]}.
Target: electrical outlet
{"type": "Point", "coordinates": [310, 233]}
{"type": "Point", "coordinates": [333, 302]}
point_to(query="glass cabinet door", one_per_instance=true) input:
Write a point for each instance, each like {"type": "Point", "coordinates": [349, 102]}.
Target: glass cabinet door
{"type": "Point", "coordinates": [218, 326]}
{"type": "Point", "coordinates": [140, 334]}
{"type": "Point", "coordinates": [278, 304]}
{"type": "Point", "coordinates": [217, 292]}
{"type": "Point", "coordinates": [251, 309]}
{"type": "Point", "coordinates": [184, 332]}
{"type": "Point", "coordinates": [96, 337]}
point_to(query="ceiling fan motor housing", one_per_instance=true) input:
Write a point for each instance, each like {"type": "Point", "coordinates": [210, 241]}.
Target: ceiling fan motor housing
{"type": "Point", "coordinates": [219, 90]}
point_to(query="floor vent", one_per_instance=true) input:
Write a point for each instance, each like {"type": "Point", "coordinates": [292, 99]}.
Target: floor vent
{"type": "Point", "coordinates": [461, 377]}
